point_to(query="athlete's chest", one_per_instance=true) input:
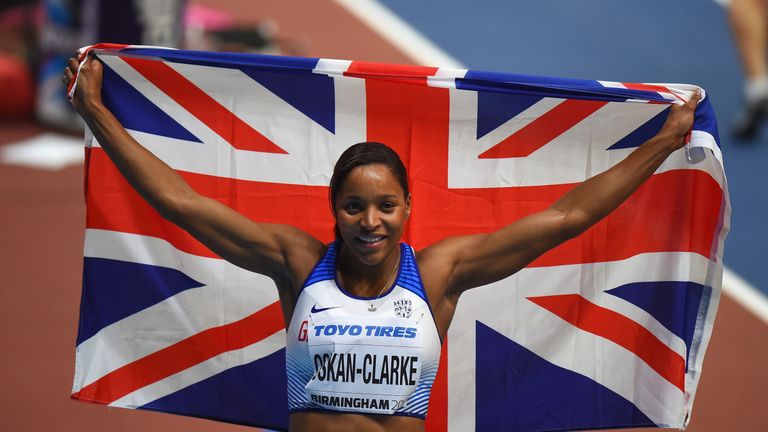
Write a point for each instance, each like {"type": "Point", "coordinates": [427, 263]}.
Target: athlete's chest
{"type": "Point", "coordinates": [367, 352]}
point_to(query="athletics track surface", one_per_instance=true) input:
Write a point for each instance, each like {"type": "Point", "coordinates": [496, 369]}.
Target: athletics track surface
{"type": "Point", "coordinates": [42, 212]}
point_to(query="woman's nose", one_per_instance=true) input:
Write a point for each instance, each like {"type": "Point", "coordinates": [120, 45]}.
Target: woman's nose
{"type": "Point", "coordinates": [370, 219]}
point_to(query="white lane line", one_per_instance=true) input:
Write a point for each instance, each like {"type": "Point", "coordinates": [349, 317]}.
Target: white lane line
{"type": "Point", "coordinates": [45, 151]}
{"type": "Point", "coordinates": [403, 36]}
{"type": "Point", "coordinates": [749, 297]}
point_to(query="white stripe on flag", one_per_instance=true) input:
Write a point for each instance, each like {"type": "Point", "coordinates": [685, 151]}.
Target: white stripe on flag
{"type": "Point", "coordinates": [164, 102]}
{"type": "Point", "coordinates": [592, 280]}
{"type": "Point", "coordinates": [202, 371]}
{"type": "Point", "coordinates": [305, 164]}
{"type": "Point", "coordinates": [446, 77]}
{"type": "Point", "coordinates": [284, 125]}
{"type": "Point", "coordinates": [510, 314]}
{"type": "Point", "coordinates": [230, 294]}
{"type": "Point", "coordinates": [670, 96]}
{"type": "Point", "coordinates": [569, 347]}
{"type": "Point", "coordinates": [612, 84]}
{"type": "Point", "coordinates": [569, 153]}
{"type": "Point", "coordinates": [331, 67]}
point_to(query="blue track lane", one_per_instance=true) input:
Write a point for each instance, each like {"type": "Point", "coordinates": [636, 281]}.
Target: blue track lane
{"type": "Point", "coordinates": [686, 41]}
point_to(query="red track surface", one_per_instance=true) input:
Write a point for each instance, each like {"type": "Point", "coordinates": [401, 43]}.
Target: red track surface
{"type": "Point", "coordinates": [42, 218]}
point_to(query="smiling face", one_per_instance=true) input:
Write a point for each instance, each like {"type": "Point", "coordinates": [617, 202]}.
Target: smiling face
{"type": "Point", "coordinates": [371, 210]}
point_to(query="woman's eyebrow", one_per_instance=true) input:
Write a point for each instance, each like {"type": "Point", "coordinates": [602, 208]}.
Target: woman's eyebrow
{"type": "Point", "coordinates": [358, 197]}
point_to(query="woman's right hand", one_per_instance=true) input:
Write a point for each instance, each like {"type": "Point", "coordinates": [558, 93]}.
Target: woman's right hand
{"type": "Point", "coordinates": [88, 93]}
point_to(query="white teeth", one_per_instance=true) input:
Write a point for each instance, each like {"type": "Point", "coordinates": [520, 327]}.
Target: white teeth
{"type": "Point", "coordinates": [370, 239]}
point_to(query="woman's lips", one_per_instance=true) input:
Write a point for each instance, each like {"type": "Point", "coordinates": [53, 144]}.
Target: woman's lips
{"type": "Point", "coordinates": [370, 241]}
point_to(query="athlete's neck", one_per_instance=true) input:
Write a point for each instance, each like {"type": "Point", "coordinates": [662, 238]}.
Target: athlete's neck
{"type": "Point", "coordinates": [364, 280]}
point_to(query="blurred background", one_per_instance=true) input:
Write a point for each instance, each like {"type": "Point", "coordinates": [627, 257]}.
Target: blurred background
{"type": "Point", "coordinates": [719, 45]}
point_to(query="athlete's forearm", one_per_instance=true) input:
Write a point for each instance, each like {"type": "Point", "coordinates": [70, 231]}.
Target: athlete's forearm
{"type": "Point", "coordinates": [598, 196]}
{"type": "Point", "coordinates": [595, 198]}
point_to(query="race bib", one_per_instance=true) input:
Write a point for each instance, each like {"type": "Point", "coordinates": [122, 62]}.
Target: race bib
{"type": "Point", "coordinates": [361, 364]}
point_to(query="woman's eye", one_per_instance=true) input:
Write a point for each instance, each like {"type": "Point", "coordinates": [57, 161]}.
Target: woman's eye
{"type": "Point", "coordinates": [352, 208]}
{"type": "Point", "coordinates": [388, 206]}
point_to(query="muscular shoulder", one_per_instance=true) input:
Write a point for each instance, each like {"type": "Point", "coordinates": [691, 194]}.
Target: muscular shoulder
{"type": "Point", "coordinates": [302, 252]}
{"type": "Point", "coordinates": [437, 263]}
{"type": "Point", "coordinates": [441, 258]}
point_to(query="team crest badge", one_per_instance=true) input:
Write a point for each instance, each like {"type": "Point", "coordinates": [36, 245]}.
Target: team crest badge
{"type": "Point", "coordinates": [403, 308]}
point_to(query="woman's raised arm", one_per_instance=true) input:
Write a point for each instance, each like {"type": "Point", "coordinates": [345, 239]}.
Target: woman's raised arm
{"type": "Point", "coordinates": [464, 262]}
{"type": "Point", "coordinates": [278, 251]}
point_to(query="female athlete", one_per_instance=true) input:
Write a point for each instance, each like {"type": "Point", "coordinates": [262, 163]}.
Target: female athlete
{"type": "Point", "coordinates": [366, 314]}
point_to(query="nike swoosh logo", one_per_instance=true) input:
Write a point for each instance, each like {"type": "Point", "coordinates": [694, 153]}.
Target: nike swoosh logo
{"type": "Point", "coordinates": [316, 310]}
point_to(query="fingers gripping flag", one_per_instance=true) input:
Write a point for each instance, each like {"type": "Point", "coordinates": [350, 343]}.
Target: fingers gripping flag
{"type": "Point", "coordinates": [607, 330]}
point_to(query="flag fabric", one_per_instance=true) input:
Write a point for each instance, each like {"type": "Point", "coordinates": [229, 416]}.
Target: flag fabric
{"type": "Point", "coordinates": [607, 330]}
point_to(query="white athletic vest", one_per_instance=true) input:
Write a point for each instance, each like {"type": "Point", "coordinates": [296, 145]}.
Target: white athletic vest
{"type": "Point", "coordinates": [342, 357]}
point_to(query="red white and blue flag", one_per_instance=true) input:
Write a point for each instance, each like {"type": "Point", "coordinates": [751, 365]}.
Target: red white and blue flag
{"type": "Point", "coordinates": [608, 330]}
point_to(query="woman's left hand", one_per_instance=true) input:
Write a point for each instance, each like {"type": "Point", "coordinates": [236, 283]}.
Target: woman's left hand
{"type": "Point", "coordinates": [679, 122]}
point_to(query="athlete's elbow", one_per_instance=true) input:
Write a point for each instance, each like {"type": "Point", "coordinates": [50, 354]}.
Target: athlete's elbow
{"type": "Point", "coordinates": [574, 223]}
{"type": "Point", "coordinates": [174, 207]}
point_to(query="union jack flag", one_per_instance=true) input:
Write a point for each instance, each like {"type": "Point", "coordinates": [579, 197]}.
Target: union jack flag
{"type": "Point", "coordinates": [608, 330]}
